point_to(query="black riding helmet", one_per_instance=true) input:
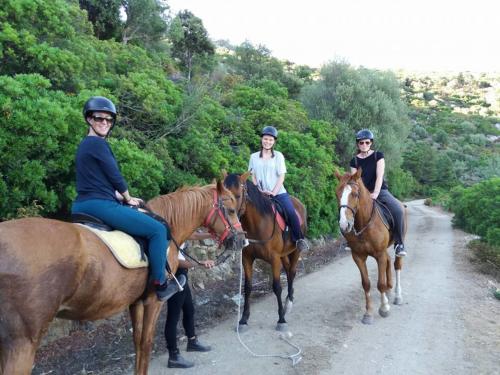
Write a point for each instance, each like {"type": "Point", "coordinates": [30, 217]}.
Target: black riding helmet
{"type": "Point", "coordinates": [364, 134]}
{"type": "Point", "coordinates": [98, 104]}
{"type": "Point", "coordinates": [270, 130]}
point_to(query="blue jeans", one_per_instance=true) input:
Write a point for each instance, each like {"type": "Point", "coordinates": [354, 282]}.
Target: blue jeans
{"type": "Point", "coordinates": [133, 222]}
{"type": "Point", "coordinates": [293, 219]}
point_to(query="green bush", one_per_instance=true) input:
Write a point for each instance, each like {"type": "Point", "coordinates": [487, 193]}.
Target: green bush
{"type": "Point", "coordinates": [477, 209]}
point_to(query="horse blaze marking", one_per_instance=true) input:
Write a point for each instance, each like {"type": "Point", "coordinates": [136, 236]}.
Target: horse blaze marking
{"type": "Point", "coordinates": [344, 201]}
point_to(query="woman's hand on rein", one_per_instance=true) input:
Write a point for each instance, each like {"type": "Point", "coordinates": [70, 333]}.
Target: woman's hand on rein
{"type": "Point", "coordinates": [136, 202]}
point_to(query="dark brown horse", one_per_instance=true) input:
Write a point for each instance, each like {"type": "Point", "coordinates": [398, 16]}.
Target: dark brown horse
{"type": "Point", "coordinates": [366, 234]}
{"type": "Point", "coordinates": [50, 268]}
{"type": "Point", "coordinates": [266, 242]}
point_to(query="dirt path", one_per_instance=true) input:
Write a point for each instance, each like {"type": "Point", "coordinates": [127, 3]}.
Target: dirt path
{"type": "Point", "coordinates": [448, 323]}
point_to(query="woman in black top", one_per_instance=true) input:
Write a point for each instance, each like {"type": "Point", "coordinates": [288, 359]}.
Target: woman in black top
{"type": "Point", "coordinates": [372, 164]}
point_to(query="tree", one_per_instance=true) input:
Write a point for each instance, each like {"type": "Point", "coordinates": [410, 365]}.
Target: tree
{"type": "Point", "coordinates": [257, 63]}
{"type": "Point", "coordinates": [146, 21]}
{"type": "Point", "coordinates": [190, 42]}
{"type": "Point", "coordinates": [353, 99]}
{"type": "Point", "coordinates": [105, 16]}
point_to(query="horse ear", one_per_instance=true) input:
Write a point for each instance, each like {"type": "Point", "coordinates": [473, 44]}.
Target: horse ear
{"type": "Point", "coordinates": [357, 175]}
{"type": "Point", "coordinates": [224, 174]}
{"type": "Point", "coordinates": [337, 174]}
{"type": "Point", "coordinates": [220, 187]}
{"type": "Point", "coordinates": [245, 176]}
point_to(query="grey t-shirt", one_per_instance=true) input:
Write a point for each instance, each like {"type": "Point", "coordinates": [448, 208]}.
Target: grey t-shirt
{"type": "Point", "coordinates": [267, 171]}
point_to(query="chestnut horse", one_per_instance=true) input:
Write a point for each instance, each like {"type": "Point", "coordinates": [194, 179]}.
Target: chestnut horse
{"type": "Point", "coordinates": [366, 234]}
{"type": "Point", "coordinates": [266, 242]}
{"type": "Point", "coordinates": [50, 268]}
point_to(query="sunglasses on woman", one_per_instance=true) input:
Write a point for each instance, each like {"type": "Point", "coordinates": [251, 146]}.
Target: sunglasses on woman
{"type": "Point", "coordinates": [364, 142]}
{"type": "Point", "coordinates": [100, 120]}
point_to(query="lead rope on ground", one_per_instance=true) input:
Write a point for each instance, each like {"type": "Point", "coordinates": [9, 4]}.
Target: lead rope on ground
{"type": "Point", "coordinates": [295, 358]}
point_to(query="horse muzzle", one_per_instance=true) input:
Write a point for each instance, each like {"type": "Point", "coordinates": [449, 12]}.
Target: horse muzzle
{"type": "Point", "coordinates": [236, 241]}
{"type": "Point", "coordinates": [346, 226]}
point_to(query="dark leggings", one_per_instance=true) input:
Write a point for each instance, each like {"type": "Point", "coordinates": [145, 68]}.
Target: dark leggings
{"type": "Point", "coordinates": [397, 213]}
{"type": "Point", "coordinates": [180, 301]}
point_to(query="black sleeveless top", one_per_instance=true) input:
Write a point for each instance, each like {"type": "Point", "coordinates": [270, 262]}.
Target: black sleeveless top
{"type": "Point", "coordinates": [369, 169]}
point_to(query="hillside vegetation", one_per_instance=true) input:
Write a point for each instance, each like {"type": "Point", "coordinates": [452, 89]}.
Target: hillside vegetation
{"type": "Point", "coordinates": [190, 107]}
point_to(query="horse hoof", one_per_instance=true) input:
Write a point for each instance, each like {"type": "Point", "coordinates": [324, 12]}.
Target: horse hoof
{"type": "Point", "coordinates": [288, 306]}
{"type": "Point", "coordinates": [398, 301]}
{"type": "Point", "coordinates": [367, 319]}
{"type": "Point", "coordinates": [384, 313]}
{"type": "Point", "coordinates": [282, 327]}
{"type": "Point", "coordinates": [242, 328]}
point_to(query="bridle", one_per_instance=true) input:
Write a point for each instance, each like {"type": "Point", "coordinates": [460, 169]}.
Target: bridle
{"type": "Point", "coordinates": [355, 210]}
{"type": "Point", "coordinates": [218, 209]}
{"type": "Point", "coordinates": [244, 197]}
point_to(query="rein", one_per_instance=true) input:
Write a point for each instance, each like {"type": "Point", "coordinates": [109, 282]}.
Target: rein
{"type": "Point", "coordinates": [244, 199]}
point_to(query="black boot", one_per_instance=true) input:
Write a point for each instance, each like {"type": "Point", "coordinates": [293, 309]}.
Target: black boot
{"type": "Point", "coordinates": [400, 250]}
{"type": "Point", "coordinates": [169, 288]}
{"type": "Point", "coordinates": [193, 345]}
{"type": "Point", "coordinates": [175, 360]}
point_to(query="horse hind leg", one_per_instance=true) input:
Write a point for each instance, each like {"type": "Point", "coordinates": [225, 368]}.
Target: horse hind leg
{"type": "Point", "coordinates": [398, 296]}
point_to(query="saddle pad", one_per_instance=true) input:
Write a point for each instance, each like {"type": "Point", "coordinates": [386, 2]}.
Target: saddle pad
{"type": "Point", "coordinates": [281, 221]}
{"type": "Point", "coordinates": [123, 246]}
{"type": "Point", "coordinates": [385, 215]}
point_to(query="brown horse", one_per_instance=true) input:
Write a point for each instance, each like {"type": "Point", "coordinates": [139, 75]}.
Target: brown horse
{"type": "Point", "coordinates": [266, 242]}
{"type": "Point", "coordinates": [50, 268]}
{"type": "Point", "coordinates": [366, 234]}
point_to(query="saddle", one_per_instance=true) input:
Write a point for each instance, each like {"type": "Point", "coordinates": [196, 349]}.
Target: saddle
{"type": "Point", "coordinates": [128, 250]}
{"type": "Point", "coordinates": [282, 217]}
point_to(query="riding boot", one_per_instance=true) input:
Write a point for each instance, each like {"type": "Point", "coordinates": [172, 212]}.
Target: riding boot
{"type": "Point", "coordinates": [400, 250]}
{"type": "Point", "coordinates": [175, 360]}
{"type": "Point", "coordinates": [193, 345]}
{"type": "Point", "coordinates": [169, 288]}
{"type": "Point", "coordinates": [302, 245]}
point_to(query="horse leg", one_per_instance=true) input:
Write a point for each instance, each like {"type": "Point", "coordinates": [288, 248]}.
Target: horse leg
{"type": "Point", "coordinates": [398, 297]}
{"type": "Point", "coordinates": [276, 270]}
{"type": "Point", "coordinates": [248, 269]}
{"type": "Point", "coordinates": [389, 274]}
{"type": "Point", "coordinates": [360, 261]}
{"type": "Point", "coordinates": [136, 316]}
{"type": "Point", "coordinates": [382, 285]}
{"type": "Point", "coordinates": [152, 308]}
{"type": "Point", "coordinates": [291, 272]}
{"type": "Point", "coordinates": [17, 355]}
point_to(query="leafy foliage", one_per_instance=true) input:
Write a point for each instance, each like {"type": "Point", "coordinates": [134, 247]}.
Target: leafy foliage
{"type": "Point", "coordinates": [477, 209]}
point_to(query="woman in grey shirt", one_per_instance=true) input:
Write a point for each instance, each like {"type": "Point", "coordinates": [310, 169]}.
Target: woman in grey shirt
{"type": "Point", "coordinates": [268, 173]}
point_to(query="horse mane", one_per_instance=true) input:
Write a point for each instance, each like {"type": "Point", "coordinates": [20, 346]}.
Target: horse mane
{"type": "Point", "coordinates": [178, 207]}
{"type": "Point", "coordinates": [260, 201]}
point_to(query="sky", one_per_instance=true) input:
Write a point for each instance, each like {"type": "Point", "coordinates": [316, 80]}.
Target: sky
{"type": "Point", "coordinates": [418, 35]}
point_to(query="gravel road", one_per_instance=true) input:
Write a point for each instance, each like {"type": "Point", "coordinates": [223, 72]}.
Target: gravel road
{"type": "Point", "coordinates": [448, 323]}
